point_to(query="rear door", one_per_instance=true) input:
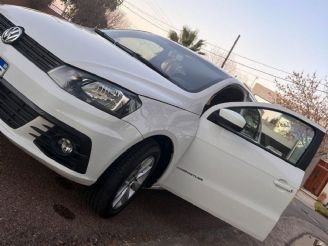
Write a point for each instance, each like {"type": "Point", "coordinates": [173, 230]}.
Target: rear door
{"type": "Point", "coordinates": [246, 175]}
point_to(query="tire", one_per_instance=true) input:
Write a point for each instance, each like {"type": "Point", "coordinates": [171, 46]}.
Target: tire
{"type": "Point", "coordinates": [102, 197]}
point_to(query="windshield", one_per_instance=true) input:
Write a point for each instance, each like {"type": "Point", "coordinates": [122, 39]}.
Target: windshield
{"type": "Point", "coordinates": [181, 66]}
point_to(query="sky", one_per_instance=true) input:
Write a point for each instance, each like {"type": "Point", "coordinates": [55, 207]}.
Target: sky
{"type": "Point", "coordinates": [291, 35]}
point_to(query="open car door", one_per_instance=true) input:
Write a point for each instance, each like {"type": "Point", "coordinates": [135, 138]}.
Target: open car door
{"type": "Point", "coordinates": [246, 163]}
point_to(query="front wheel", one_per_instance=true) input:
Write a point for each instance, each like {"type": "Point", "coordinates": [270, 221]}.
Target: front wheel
{"type": "Point", "coordinates": [119, 185]}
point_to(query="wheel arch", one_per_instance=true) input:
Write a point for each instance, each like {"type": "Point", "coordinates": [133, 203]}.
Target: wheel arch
{"type": "Point", "coordinates": [167, 150]}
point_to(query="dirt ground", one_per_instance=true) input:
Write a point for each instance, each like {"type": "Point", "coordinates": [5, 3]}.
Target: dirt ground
{"type": "Point", "coordinates": [38, 207]}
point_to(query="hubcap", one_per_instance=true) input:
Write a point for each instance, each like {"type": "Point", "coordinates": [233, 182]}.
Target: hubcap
{"type": "Point", "coordinates": [133, 183]}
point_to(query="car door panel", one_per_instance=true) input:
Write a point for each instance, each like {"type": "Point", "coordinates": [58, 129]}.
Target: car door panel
{"type": "Point", "coordinates": [254, 200]}
{"type": "Point", "coordinates": [234, 179]}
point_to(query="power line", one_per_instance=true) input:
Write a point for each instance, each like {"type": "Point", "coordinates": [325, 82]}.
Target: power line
{"type": "Point", "coordinates": [245, 71]}
{"type": "Point", "coordinates": [162, 11]}
{"type": "Point", "coordinates": [209, 43]}
{"type": "Point", "coordinates": [145, 19]}
{"type": "Point", "coordinates": [247, 66]}
{"type": "Point", "coordinates": [258, 70]}
{"type": "Point", "coordinates": [255, 75]}
{"type": "Point", "coordinates": [236, 62]}
{"type": "Point", "coordinates": [150, 16]}
{"type": "Point", "coordinates": [252, 60]}
{"type": "Point", "coordinates": [258, 76]}
{"type": "Point", "coordinates": [154, 9]}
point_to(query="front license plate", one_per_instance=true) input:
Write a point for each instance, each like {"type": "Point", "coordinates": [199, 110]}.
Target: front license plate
{"type": "Point", "coordinates": [3, 67]}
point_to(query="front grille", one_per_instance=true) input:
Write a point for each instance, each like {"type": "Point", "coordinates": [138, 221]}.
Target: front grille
{"type": "Point", "coordinates": [32, 50]}
{"type": "Point", "coordinates": [37, 54]}
{"type": "Point", "coordinates": [13, 111]}
{"type": "Point", "coordinates": [5, 23]}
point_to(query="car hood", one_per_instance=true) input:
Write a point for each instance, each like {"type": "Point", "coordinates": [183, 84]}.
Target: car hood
{"type": "Point", "coordinates": [83, 48]}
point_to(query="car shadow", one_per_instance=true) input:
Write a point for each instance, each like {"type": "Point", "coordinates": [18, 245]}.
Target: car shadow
{"type": "Point", "coordinates": [38, 206]}
{"type": "Point", "coordinates": [36, 197]}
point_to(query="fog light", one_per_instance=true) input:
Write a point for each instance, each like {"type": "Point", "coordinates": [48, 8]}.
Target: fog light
{"type": "Point", "coordinates": [66, 146]}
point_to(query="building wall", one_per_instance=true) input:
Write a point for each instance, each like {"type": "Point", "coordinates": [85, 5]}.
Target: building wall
{"type": "Point", "coordinates": [264, 93]}
{"type": "Point", "coordinates": [325, 190]}
{"type": "Point", "coordinates": [318, 179]}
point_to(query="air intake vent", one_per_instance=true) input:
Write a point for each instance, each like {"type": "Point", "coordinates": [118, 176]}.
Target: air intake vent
{"type": "Point", "coordinates": [14, 111]}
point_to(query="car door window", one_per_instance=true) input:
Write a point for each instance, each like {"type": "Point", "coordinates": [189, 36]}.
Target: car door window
{"type": "Point", "coordinates": [279, 133]}
{"type": "Point", "coordinates": [252, 117]}
{"type": "Point", "coordinates": [285, 135]}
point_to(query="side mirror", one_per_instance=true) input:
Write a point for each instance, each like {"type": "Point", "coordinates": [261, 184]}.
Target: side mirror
{"type": "Point", "coordinates": [232, 119]}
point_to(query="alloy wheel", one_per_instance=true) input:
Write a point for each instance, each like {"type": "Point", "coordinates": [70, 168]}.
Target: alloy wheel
{"type": "Point", "coordinates": [133, 183]}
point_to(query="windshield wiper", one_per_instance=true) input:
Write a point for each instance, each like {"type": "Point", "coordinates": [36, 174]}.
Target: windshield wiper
{"type": "Point", "coordinates": [143, 60]}
{"type": "Point", "coordinates": [132, 53]}
{"type": "Point", "coordinates": [104, 35]}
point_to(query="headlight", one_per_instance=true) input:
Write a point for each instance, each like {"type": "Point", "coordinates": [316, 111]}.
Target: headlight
{"type": "Point", "coordinates": [98, 92]}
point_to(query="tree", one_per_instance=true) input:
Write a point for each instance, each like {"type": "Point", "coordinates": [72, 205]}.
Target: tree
{"type": "Point", "coordinates": [187, 38]}
{"type": "Point", "coordinates": [116, 19]}
{"type": "Point", "coordinates": [307, 95]}
{"type": "Point", "coordinates": [91, 13]}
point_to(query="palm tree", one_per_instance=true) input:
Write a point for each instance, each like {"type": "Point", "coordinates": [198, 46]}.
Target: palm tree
{"type": "Point", "coordinates": [188, 38]}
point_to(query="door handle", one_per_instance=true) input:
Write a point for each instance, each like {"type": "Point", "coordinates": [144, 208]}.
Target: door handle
{"type": "Point", "coordinates": [282, 184]}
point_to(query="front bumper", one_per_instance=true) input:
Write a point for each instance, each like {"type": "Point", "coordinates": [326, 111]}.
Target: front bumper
{"type": "Point", "coordinates": [109, 136]}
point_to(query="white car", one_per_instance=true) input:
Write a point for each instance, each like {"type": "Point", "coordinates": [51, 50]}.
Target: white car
{"type": "Point", "coordinates": [118, 110]}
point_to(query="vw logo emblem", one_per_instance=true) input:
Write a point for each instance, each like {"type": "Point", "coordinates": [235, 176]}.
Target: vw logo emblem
{"type": "Point", "coordinates": [12, 34]}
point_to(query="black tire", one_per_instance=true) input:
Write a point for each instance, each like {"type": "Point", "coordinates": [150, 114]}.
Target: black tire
{"type": "Point", "coordinates": [100, 196]}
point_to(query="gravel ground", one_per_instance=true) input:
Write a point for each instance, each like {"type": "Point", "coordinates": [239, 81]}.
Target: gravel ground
{"type": "Point", "coordinates": [40, 208]}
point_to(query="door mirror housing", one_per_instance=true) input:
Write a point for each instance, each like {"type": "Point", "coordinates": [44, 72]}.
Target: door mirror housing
{"type": "Point", "coordinates": [232, 119]}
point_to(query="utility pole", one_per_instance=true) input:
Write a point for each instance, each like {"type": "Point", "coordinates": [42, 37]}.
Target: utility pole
{"type": "Point", "coordinates": [233, 46]}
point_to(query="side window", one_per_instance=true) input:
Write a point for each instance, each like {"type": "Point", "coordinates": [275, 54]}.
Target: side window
{"type": "Point", "coordinates": [276, 132]}
{"type": "Point", "coordinates": [252, 117]}
{"type": "Point", "coordinates": [285, 135]}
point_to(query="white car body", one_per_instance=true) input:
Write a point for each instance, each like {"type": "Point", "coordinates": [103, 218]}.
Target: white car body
{"type": "Point", "coordinates": [211, 167]}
